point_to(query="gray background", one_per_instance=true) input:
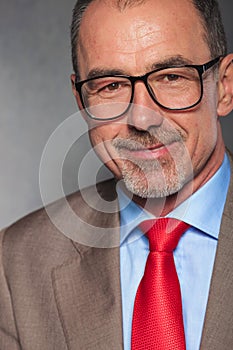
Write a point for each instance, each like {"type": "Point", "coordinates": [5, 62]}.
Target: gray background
{"type": "Point", "coordinates": [35, 97]}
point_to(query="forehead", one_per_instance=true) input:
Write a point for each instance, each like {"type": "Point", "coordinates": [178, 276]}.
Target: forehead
{"type": "Point", "coordinates": [153, 30]}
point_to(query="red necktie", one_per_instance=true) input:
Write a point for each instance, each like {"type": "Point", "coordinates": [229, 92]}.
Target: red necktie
{"type": "Point", "coordinates": [157, 317]}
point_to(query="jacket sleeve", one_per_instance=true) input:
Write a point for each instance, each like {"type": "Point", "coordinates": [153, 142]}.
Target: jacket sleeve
{"type": "Point", "coordinates": [8, 331]}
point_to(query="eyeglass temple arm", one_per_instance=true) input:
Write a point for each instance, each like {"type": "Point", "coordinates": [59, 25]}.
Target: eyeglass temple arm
{"type": "Point", "coordinates": [211, 63]}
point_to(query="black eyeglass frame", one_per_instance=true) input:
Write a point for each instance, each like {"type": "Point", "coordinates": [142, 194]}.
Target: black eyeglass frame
{"type": "Point", "coordinates": [201, 69]}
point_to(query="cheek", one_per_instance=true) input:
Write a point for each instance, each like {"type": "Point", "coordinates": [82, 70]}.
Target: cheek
{"type": "Point", "coordinates": [202, 137]}
{"type": "Point", "coordinates": [94, 137]}
{"type": "Point", "coordinates": [99, 145]}
{"type": "Point", "coordinates": [209, 118]}
{"type": "Point", "coordinates": [108, 131]}
{"type": "Point", "coordinates": [101, 138]}
{"type": "Point", "coordinates": [206, 118]}
{"type": "Point", "coordinates": [99, 133]}
{"type": "Point", "coordinates": [210, 99]}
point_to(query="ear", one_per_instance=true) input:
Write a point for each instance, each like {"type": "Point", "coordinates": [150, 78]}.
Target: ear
{"type": "Point", "coordinates": [75, 92]}
{"type": "Point", "coordinates": [225, 86]}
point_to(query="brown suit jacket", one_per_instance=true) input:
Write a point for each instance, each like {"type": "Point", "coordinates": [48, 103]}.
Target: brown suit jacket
{"type": "Point", "coordinates": [57, 294]}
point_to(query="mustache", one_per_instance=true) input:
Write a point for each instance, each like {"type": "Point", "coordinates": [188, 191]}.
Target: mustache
{"type": "Point", "coordinates": [137, 140]}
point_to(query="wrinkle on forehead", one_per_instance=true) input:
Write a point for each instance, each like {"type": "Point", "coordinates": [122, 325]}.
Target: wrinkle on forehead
{"type": "Point", "coordinates": [129, 35]}
{"type": "Point", "coordinates": [145, 36]}
{"type": "Point", "coordinates": [128, 31]}
{"type": "Point", "coordinates": [139, 33]}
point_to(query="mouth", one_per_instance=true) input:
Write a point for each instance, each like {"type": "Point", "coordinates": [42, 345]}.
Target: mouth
{"type": "Point", "coordinates": [146, 153]}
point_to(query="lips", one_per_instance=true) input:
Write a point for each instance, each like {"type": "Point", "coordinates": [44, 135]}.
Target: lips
{"type": "Point", "coordinates": [155, 147]}
{"type": "Point", "coordinates": [148, 146]}
{"type": "Point", "coordinates": [145, 153]}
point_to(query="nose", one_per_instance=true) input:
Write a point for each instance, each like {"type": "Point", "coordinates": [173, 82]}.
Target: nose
{"type": "Point", "coordinates": [144, 112]}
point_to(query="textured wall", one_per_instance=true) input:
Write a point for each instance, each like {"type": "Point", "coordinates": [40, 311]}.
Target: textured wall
{"type": "Point", "coordinates": [35, 97]}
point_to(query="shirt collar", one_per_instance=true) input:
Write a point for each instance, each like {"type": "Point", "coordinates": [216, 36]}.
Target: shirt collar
{"type": "Point", "coordinates": [202, 210]}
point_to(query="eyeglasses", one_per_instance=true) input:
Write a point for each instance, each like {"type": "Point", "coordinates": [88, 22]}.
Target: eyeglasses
{"type": "Point", "coordinates": [175, 88]}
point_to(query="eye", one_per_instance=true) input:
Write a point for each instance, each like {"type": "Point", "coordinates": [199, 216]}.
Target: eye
{"type": "Point", "coordinates": [107, 87]}
{"type": "Point", "coordinates": [172, 77]}
{"type": "Point", "coordinates": [113, 87]}
{"type": "Point", "coordinates": [110, 87]}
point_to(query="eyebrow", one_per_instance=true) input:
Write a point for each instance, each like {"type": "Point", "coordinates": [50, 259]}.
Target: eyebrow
{"type": "Point", "coordinates": [168, 62]}
{"type": "Point", "coordinates": [98, 72]}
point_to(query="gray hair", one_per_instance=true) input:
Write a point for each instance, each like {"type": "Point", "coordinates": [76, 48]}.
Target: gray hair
{"type": "Point", "coordinates": [208, 10]}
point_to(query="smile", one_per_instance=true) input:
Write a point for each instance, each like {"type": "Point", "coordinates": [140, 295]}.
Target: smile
{"type": "Point", "coordinates": [146, 153]}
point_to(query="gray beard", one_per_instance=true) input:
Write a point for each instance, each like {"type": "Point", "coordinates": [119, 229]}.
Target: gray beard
{"type": "Point", "coordinates": [152, 179]}
{"type": "Point", "coordinates": [155, 178]}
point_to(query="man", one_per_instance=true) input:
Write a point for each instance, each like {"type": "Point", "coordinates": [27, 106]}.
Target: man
{"type": "Point", "coordinates": [152, 80]}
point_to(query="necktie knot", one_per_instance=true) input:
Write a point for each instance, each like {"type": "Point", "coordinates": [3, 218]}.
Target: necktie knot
{"type": "Point", "coordinates": [164, 233]}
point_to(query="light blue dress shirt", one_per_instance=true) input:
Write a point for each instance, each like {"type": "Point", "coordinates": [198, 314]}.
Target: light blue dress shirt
{"type": "Point", "coordinates": [194, 255]}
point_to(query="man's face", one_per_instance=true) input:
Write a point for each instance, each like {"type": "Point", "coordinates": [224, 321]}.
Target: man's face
{"type": "Point", "coordinates": [154, 150]}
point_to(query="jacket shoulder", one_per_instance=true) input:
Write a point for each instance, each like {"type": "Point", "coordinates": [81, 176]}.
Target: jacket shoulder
{"type": "Point", "coordinates": [49, 229]}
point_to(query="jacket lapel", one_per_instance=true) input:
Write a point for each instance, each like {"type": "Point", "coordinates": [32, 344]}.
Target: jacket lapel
{"type": "Point", "coordinates": [87, 288]}
{"type": "Point", "coordinates": [218, 326]}
{"type": "Point", "coordinates": [87, 293]}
